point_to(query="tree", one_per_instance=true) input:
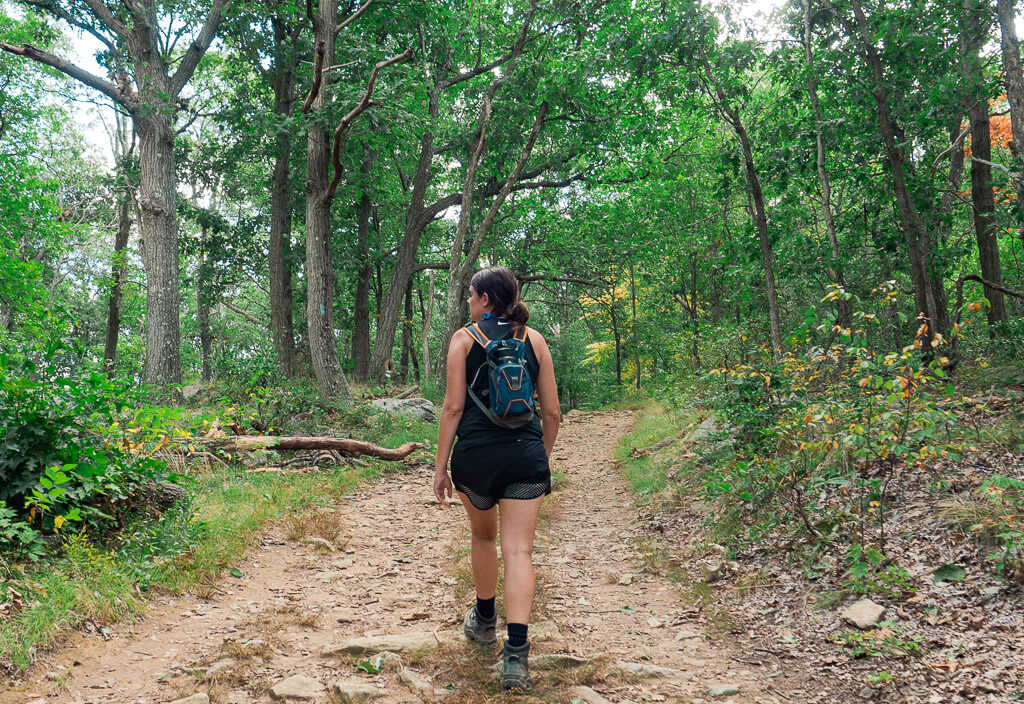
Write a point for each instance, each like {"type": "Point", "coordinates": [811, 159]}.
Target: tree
{"type": "Point", "coordinates": [134, 35]}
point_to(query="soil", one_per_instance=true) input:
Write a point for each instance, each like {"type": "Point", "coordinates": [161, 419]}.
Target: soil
{"type": "Point", "coordinates": [402, 570]}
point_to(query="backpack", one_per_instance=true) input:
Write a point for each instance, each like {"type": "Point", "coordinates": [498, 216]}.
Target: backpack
{"type": "Point", "coordinates": [510, 394]}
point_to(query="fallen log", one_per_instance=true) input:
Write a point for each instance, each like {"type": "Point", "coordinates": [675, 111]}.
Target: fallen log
{"type": "Point", "coordinates": [345, 446]}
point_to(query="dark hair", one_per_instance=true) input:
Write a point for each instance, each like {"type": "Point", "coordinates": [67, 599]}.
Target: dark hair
{"type": "Point", "coordinates": [502, 288]}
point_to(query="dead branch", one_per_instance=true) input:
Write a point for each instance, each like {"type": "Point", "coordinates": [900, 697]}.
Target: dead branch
{"type": "Point", "coordinates": [345, 446]}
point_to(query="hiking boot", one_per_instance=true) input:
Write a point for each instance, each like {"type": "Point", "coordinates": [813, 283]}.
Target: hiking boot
{"type": "Point", "coordinates": [477, 631]}
{"type": "Point", "coordinates": [517, 667]}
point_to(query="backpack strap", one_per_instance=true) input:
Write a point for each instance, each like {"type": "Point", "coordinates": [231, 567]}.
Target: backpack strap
{"type": "Point", "coordinates": [477, 333]}
{"type": "Point", "coordinates": [521, 334]}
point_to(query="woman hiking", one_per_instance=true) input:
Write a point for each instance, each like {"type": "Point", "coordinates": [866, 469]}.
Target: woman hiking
{"type": "Point", "coordinates": [498, 469]}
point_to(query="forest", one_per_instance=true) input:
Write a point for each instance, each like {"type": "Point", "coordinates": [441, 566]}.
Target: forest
{"type": "Point", "coordinates": [787, 238]}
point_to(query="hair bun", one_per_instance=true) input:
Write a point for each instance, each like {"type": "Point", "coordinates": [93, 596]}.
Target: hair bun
{"type": "Point", "coordinates": [518, 313]}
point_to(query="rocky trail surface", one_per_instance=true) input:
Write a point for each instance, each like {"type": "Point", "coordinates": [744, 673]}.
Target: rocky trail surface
{"type": "Point", "coordinates": [378, 616]}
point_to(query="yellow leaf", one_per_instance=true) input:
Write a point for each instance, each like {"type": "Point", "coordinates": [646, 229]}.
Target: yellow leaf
{"type": "Point", "coordinates": [58, 521]}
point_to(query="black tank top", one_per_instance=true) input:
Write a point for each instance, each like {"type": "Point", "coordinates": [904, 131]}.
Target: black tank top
{"type": "Point", "coordinates": [475, 429]}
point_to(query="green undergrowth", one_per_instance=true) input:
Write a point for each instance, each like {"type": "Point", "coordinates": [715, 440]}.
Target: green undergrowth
{"type": "Point", "coordinates": [91, 581]}
{"type": "Point", "coordinates": [648, 473]}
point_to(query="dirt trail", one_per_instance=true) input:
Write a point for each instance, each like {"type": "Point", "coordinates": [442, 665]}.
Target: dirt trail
{"type": "Point", "coordinates": [398, 574]}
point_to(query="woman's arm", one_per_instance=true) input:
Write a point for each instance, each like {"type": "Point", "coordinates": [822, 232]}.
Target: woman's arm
{"type": "Point", "coordinates": [451, 412]}
{"type": "Point", "coordinates": [547, 391]}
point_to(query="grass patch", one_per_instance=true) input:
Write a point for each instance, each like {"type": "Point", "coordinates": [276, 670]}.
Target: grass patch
{"type": "Point", "coordinates": [649, 473]}
{"type": "Point", "coordinates": [94, 583]}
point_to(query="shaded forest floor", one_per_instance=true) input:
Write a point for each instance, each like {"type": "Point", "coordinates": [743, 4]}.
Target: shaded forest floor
{"type": "Point", "coordinates": [386, 569]}
{"type": "Point", "coordinates": [952, 630]}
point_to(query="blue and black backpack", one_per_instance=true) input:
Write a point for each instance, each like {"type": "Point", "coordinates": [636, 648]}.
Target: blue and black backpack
{"type": "Point", "coordinates": [510, 393]}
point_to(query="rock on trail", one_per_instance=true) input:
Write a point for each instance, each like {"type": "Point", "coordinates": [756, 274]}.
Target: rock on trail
{"type": "Point", "coordinates": [307, 625]}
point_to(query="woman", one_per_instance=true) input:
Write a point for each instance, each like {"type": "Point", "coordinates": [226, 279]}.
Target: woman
{"type": "Point", "coordinates": [497, 467]}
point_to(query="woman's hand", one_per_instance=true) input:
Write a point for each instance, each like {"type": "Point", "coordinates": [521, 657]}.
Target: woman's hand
{"type": "Point", "coordinates": [442, 486]}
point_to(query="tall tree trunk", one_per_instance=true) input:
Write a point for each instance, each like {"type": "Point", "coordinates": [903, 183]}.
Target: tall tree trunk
{"type": "Point", "coordinates": [929, 300]}
{"type": "Point", "coordinates": [1013, 74]}
{"type": "Point", "coordinates": [717, 94]}
{"type": "Point", "coordinates": [844, 315]}
{"type": "Point", "coordinates": [407, 350]}
{"type": "Point", "coordinates": [972, 36]}
{"type": "Point", "coordinates": [124, 226]}
{"type": "Point", "coordinates": [323, 346]}
{"type": "Point", "coordinates": [618, 342]}
{"type": "Point", "coordinates": [635, 338]}
{"type": "Point", "coordinates": [361, 323]}
{"type": "Point", "coordinates": [203, 312]}
{"type": "Point", "coordinates": [425, 330]}
{"type": "Point", "coordinates": [282, 326]}
{"type": "Point", "coordinates": [159, 226]}
{"type": "Point", "coordinates": [405, 260]}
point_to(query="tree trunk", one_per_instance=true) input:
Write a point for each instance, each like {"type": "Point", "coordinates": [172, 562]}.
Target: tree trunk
{"type": "Point", "coordinates": [844, 316]}
{"type": "Point", "coordinates": [425, 330]}
{"type": "Point", "coordinates": [618, 342]}
{"type": "Point", "coordinates": [634, 336]}
{"type": "Point", "coordinates": [203, 314]}
{"type": "Point", "coordinates": [159, 226]}
{"type": "Point", "coordinates": [1013, 74]}
{"type": "Point", "coordinates": [361, 323]}
{"type": "Point", "coordinates": [124, 226]}
{"type": "Point", "coordinates": [323, 346]}
{"type": "Point", "coordinates": [717, 94]}
{"type": "Point", "coordinates": [279, 261]}
{"type": "Point", "coordinates": [982, 197]}
{"type": "Point", "coordinates": [403, 368]}
{"type": "Point", "coordinates": [928, 303]}
{"type": "Point", "coordinates": [405, 261]}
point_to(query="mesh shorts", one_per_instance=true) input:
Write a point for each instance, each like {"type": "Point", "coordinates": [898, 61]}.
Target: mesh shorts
{"type": "Point", "coordinates": [517, 469]}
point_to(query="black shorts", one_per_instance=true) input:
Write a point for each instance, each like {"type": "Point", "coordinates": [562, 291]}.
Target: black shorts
{"type": "Point", "coordinates": [513, 469]}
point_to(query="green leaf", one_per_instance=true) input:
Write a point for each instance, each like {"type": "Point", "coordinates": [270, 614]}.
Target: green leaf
{"type": "Point", "coordinates": [235, 572]}
{"type": "Point", "coordinates": [368, 667]}
{"type": "Point", "coordinates": [949, 573]}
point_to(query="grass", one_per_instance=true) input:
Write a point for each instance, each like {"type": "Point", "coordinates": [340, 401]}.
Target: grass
{"type": "Point", "coordinates": [94, 584]}
{"type": "Point", "coordinates": [649, 474]}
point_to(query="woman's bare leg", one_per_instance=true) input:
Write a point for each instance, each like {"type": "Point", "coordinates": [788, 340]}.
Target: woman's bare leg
{"type": "Point", "coordinates": [518, 526]}
{"type": "Point", "coordinates": [483, 553]}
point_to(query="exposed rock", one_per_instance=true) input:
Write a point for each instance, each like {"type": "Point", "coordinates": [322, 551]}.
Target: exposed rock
{"type": "Point", "coordinates": [544, 631]}
{"type": "Point", "coordinates": [587, 695]}
{"type": "Point", "coordinates": [686, 634]}
{"type": "Point", "coordinates": [646, 670]}
{"type": "Point", "coordinates": [723, 690]}
{"type": "Point", "coordinates": [414, 681]}
{"type": "Point", "coordinates": [219, 666]}
{"type": "Point", "coordinates": [200, 698]}
{"type": "Point", "coordinates": [626, 579]}
{"type": "Point", "coordinates": [397, 643]}
{"type": "Point", "coordinates": [317, 542]}
{"type": "Point", "coordinates": [712, 571]}
{"type": "Point", "coordinates": [352, 691]}
{"type": "Point", "coordinates": [386, 661]}
{"type": "Point", "coordinates": [552, 661]}
{"type": "Point", "coordinates": [864, 613]}
{"type": "Point", "coordinates": [418, 408]}
{"type": "Point", "coordinates": [297, 687]}
{"type": "Point", "coordinates": [190, 391]}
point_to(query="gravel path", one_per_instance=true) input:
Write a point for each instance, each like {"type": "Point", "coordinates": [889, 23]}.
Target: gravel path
{"type": "Point", "coordinates": [299, 608]}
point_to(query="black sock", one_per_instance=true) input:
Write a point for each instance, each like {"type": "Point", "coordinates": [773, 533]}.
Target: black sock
{"type": "Point", "coordinates": [485, 609]}
{"type": "Point", "coordinates": [517, 635]}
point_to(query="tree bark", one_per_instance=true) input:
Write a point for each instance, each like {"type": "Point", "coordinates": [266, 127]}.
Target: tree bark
{"type": "Point", "coordinates": [717, 94]}
{"type": "Point", "coordinates": [279, 261]}
{"type": "Point", "coordinates": [982, 197]}
{"type": "Point", "coordinates": [425, 330]}
{"type": "Point", "coordinates": [361, 322]}
{"type": "Point", "coordinates": [844, 316]}
{"type": "Point", "coordinates": [403, 367]}
{"type": "Point", "coordinates": [929, 306]}
{"type": "Point", "coordinates": [346, 446]}
{"type": "Point", "coordinates": [124, 225]}
{"type": "Point", "coordinates": [1013, 74]}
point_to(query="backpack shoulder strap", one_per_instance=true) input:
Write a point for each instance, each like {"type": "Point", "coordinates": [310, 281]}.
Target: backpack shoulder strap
{"type": "Point", "coordinates": [477, 334]}
{"type": "Point", "coordinates": [521, 334]}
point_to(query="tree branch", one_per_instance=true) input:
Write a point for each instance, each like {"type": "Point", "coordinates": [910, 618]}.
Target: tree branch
{"type": "Point", "coordinates": [515, 51]}
{"type": "Point", "coordinates": [56, 11]}
{"type": "Point", "coordinates": [104, 15]}
{"type": "Point", "coordinates": [355, 112]}
{"type": "Point", "coordinates": [251, 318]}
{"type": "Point", "coordinates": [558, 279]}
{"type": "Point", "coordinates": [354, 16]}
{"type": "Point", "coordinates": [70, 69]}
{"type": "Point", "coordinates": [198, 47]}
{"type": "Point", "coordinates": [318, 76]}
